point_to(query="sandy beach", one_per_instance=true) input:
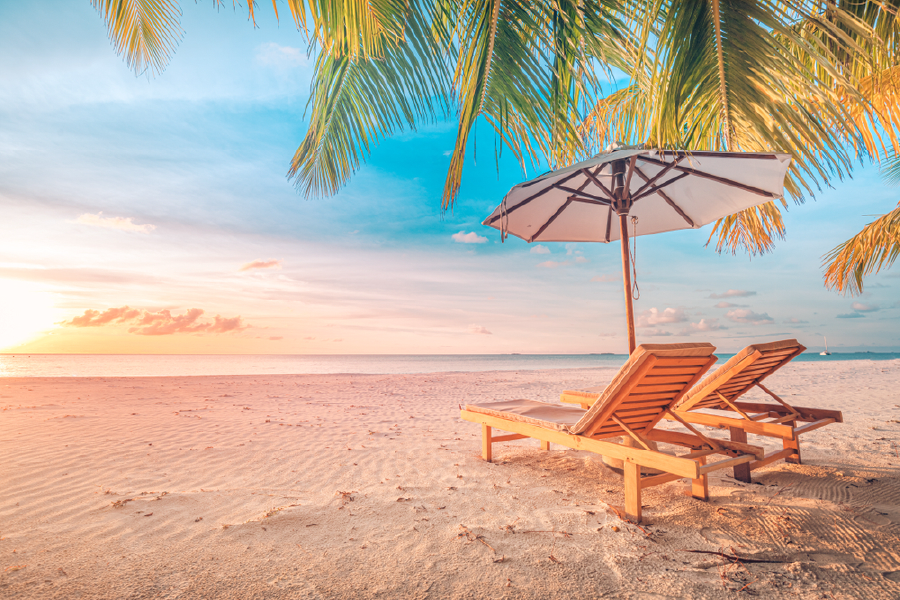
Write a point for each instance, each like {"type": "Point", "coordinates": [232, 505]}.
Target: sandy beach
{"type": "Point", "coordinates": [371, 486]}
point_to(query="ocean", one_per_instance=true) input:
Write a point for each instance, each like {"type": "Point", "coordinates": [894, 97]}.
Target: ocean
{"type": "Point", "coordinates": [170, 365]}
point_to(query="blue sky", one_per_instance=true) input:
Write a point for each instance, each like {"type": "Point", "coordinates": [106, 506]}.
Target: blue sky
{"type": "Point", "coordinates": [169, 194]}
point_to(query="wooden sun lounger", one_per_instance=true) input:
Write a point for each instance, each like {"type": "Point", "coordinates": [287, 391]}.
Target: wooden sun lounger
{"type": "Point", "coordinates": [748, 368]}
{"type": "Point", "coordinates": [646, 388]}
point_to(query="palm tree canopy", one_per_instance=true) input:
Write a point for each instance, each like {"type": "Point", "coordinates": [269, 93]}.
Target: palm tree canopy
{"type": "Point", "coordinates": [816, 80]}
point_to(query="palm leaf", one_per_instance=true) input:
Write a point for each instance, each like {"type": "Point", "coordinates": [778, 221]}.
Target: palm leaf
{"type": "Point", "coordinates": [357, 102]}
{"type": "Point", "coordinates": [145, 32]}
{"type": "Point", "coordinates": [875, 247]}
{"type": "Point", "coordinates": [736, 75]}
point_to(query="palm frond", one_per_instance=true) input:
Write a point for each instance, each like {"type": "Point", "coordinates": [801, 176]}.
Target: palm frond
{"type": "Point", "coordinates": [145, 32]}
{"type": "Point", "coordinates": [499, 75]}
{"type": "Point", "coordinates": [875, 247]}
{"type": "Point", "coordinates": [357, 102]}
{"type": "Point", "coordinates": [739, 75]}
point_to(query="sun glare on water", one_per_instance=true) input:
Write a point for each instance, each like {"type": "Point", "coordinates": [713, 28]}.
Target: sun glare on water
{"type": "Point", "coordinates": [25, 313]}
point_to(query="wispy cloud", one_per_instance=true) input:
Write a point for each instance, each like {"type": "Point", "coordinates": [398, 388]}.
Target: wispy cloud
{"type": "Point", "coordinates": [655, 333]}
{"type": "Point", "coordinates": [743, 315]}
{"type": "Point", "coordinates": [552, 264]}
{"type": "Point", "coordinates": [540, 249]}
{"type": "Point", "coordinates": [860, 307]}
{"type": "Point", "coordinates": [276, 55]}
{"type": "Point", "coordinates": [707, 325]}
{"type": "Point", "coordinates": [794, 321]}
{"type": "Point", "coordinates": [607, 278]}
{"type": "Point", "coordinates": [581, 260]}
{"type": "Point", "coordinates": [157, 323]}
{"type": "Point", "coordinates": [95, 318]}
{"type": "Point", "coordinates": [728, 305]}
{"type": "Point", "coordinates": [120, 223]}
{"type": "Point", "coordinates": [853, 315]}
{"type": "Point", "coordinates": [478, 329]}
{"type": "Point", "coordinates": [654, 316]}
{"type": "Point", "coordinates": [468, 238]}
{"type": "Point", "coordinates": [733, 294]}
{"type": "Point", "coordinates": [261, 264]}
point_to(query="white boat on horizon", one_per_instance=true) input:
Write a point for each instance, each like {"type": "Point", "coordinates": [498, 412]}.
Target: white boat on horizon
{"type": "Point", "coordinates": [825, 352]}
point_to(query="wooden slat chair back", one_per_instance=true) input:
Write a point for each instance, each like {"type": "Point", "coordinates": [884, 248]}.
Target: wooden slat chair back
{"type": "Point", "coordinates": [739, 374]}
{"type": "Point", "coordinates": [654, 379]}
{"type": "Point", "coordinates": [723, 389]}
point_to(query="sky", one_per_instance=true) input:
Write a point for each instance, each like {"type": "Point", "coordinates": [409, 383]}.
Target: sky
{"type": "Point", "coordinates": [153, 215]}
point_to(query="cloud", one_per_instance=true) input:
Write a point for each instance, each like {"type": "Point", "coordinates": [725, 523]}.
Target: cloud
{"type": "Point", "coordinates": [581, 259]}
{"type": "Point", "coordinates": [540, 249]}
{"type": "Point", "coordinates": [120, 223]}
{"type": "Point", "coordinates": [794, 321]}
{"type": "Point", "coordinates": [606, 278]}
{"type": "Point", "coordinates": [261, 264]}
{"type": "Point", "coordinates": [860, 307]}
{"type": "Point", "coordinates": [552, 264]}
{"type": "Point", "coordinates": [275, 338]}
{"type": "Point", "coordinates": [468, 238]}
{"type": "Point", "coordinates": [733, 294]}
{"type": "Point", "coordinates": [728, 305]}
{"type": "Point", "coordinates": [157, 323]}
{"type": "Point", "coordinates": [95, 318]}
{"type": "Point", "coordinates": [853, 315]}
{"type": "Point", "coordinates": [655, 333]}
{"type": "Point", "coordinates": [707, 325]}
{"type": "Point", "coordinates": [743, 315]}
{"type": "Point", "coordinates": [276, 55]}
{"type": "Point", "coordinates": [653, 316]}
{"type": "Point", "coordinates": [479, 330]}
{"type": "Point", "coordinates": [447, 152]}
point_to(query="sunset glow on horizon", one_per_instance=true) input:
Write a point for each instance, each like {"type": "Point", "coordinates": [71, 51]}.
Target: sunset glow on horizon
{"type": "Point", "coordinates": [152, 215]}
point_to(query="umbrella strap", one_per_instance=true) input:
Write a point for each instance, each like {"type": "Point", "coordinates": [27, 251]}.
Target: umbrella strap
{"type": "Point", "coordinates": [635, 290]}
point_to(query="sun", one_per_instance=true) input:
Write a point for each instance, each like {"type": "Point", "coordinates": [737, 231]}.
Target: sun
{"type": "Point", "coordinates": [25, 312]}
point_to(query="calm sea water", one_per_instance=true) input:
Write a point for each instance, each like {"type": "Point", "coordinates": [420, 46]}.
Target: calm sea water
{"type": "Point", "coordinates": [165, 365]}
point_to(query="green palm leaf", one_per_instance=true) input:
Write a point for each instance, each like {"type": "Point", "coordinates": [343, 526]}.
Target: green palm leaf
{"type": "Point", "coordinates": [357, 102]}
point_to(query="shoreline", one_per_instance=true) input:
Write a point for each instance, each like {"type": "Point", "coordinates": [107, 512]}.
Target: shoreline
{"type": "Point", "coordinates": [370, 486]}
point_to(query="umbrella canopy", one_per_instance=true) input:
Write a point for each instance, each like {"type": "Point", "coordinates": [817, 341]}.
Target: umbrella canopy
{"type": "Point", "coordinates": [638, 191]}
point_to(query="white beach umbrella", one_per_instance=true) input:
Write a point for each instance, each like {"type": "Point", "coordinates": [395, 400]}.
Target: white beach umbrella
{"type": "Point", "coordinates": [637, 191]}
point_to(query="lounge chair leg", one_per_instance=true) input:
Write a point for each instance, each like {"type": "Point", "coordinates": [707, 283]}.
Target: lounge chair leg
{"type": "Point", "coordinates": [545, 445]}
{"type": "Point", "coordinates": [700, 486]}
{"type": "Point", "coordinates": [741, 472]}
{"type": "Point", "coordinates": [794, 445]}
{"type": "Point", "coordinates": [632, 490]}
{"type": "Point", "coordinates": [486, 442]}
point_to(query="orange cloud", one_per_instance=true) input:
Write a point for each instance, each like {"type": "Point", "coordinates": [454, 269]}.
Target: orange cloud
{"type": "Point", "coordinates": [261, 264]}
{"type": "Point", "coordinates": [95, 318]}
{"type": "Point", "coordinates": [157, 323]}
{"type": "Point", "coordinates": [121, 223]}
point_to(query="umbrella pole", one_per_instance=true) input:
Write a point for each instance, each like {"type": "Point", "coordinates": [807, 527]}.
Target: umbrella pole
{"type": "Point", "coordinates": [626, 277]}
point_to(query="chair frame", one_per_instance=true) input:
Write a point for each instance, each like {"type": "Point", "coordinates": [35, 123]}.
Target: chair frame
{"type": "Point", "coordinates": [771, 420]}
{"type": "Point", "coordinates": [692, 465]}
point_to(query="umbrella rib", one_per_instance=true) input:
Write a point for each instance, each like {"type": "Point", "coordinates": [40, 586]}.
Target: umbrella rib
{"type": "Point", "coordinates": [656, 177]}
{"type": "Point", "coordinates": [668, 200]}
{"type": "Point", "coordinates": [716, 178]}
{"type": "Point", "coordinates": [558, 212]}
{"type": "Point", "coordinates": [656, 188]}
{"type": "Point", "coordinates": [580, 193]}
{"type": "Point", "coordinates": [589, 201]}
{"type": "Point", "coordinates": [599, 184]}
{"type": "Point", "coordinates": [493, 220]}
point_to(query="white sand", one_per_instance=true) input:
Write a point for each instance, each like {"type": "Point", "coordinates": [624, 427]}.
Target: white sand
{"type": "Point", "coordinates": [363, 486]}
